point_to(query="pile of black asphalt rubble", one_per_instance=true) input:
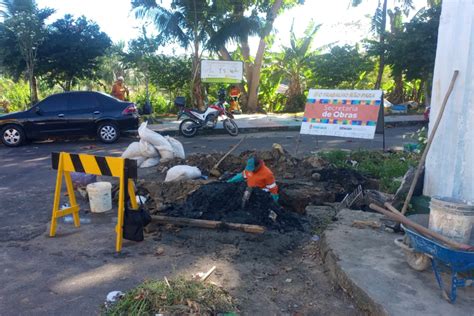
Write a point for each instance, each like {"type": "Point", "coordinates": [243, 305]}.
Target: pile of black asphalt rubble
{"type": "Point", "coordinates": [221, 201]}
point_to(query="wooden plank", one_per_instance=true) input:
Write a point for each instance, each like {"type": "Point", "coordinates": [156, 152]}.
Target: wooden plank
{"type": "Point", "coordinates": [182, 221]}
{"type": "Point", "coordinates": [214, 171]}
{"type": "Point", "coordinates": [208, 274]}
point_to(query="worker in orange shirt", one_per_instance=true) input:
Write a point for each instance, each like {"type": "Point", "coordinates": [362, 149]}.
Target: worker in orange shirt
{"type": "Point", "coordinates": [234, 99]}
{"type": "Point", "coordinates": [257, 175]}
{"type": "Point", "coordinates": [119, 90]}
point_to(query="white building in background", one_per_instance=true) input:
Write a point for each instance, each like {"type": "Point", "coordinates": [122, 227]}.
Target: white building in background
{"type": "Point", "coordinates": [450, 161]}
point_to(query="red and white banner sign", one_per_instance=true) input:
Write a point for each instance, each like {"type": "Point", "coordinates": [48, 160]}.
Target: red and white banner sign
{"type": "Point", "coordinates": [344, 113]}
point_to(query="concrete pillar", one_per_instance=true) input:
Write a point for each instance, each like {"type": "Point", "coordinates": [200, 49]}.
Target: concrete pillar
{"type": "Point", "coordinates": [450, 162]}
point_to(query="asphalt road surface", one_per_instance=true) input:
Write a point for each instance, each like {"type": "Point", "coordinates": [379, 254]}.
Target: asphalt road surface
{"type": "Point", "coordinates": [33, 268]}
{"type": "Point", "coordinates": [27, 179]}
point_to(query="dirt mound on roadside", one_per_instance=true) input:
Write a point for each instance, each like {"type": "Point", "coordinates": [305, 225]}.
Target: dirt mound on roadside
{"type": "Point", "coordinates": [342, 181]}
{"type": "Point", "coordinates": [302, 182]}
{"type": "Point", "coordinates": [163, 194]}
{"type": "Point", "coordinates": [283, 165]}
{"type": "Point", "coordinates": [221, 201]}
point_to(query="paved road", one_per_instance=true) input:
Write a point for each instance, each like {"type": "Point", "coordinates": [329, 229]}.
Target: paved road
{"type": "Point", "coordinates": [44, 276]}
{"type": "Point", "coordinates": [27, 180]}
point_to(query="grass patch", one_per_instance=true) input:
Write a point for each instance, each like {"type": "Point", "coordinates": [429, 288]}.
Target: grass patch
{"type": "Point", "coordinates": [181, 297]}
{"type": "Point", "coordinates": [387, 167]}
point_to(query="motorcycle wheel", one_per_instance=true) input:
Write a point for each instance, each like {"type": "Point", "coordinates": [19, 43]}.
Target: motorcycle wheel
{"type": "Point", "coordinates": [188, 128]}
{"type": "Point", "coordinates": [231, 127]}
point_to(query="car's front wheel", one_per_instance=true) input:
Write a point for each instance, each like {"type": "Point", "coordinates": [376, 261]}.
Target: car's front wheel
{"type": "Point", "coordinates": [108, 132]}
{"type": "Point", "coordinates": [13, 136]}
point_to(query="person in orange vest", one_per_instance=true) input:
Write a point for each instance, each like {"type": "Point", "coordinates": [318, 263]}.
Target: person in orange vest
{"type": "Point", "coordinates": [119, 90]}
{"type": "Point", "coordinates": [234, 99]}
{"type": "Point", "coordinates": [258, 175]}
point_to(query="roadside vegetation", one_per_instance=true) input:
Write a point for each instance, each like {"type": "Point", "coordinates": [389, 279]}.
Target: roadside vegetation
{"type": "Point", "coordinates": [388, 167]}
{"type": "Point", "coordinates": [175, 297]}
{"type": "Point", "coordinates": [39, 57]}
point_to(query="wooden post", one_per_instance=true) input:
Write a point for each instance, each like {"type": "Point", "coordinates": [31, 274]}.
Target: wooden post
{"type": "Point", "coordinates": [428, 144]}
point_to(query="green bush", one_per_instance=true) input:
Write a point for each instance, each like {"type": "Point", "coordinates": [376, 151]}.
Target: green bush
{"type": "Point", "coordinates": [15, 95]}
{"type": "Point", "coordinates": [159, 103]}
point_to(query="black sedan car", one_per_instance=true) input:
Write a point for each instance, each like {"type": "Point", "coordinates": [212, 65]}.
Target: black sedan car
{"type": "Point", "coordinates": [79, 113]}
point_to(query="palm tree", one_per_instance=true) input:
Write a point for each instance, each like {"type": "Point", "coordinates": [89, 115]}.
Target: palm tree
{"type": "Point", "coordinates": [9, 7]}
{"type": "Point", "coordinates": [379, 24]}
{"type": "Point", "coordinates": [185, 23]}
{"type": "Point", "coordinates": [292, 64]}
{"type": "Point", "coordinates": [235, 28]}
{"type": "Point", "coordinates": [257, 65]}
{"type": "Point", "coordinates": [201, 25]}
{"type": "Point", "coordinates": [396, 26]}
{"type": "Point", "coordinates": [3, 9]}
{"type": "Point", "coordinates": [194, 23]}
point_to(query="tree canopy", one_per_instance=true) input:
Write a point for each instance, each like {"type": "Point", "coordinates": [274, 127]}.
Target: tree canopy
{"type": "Point", "coordinates": [73, 53]}
{"type": "Point", "coordinates": [342, 66]}
{"type": "Point", "coordinates": [70, 51]}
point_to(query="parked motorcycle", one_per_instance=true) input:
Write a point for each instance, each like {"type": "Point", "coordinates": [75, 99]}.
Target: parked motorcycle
{"type": "Point", "coordinates": [195, 119]}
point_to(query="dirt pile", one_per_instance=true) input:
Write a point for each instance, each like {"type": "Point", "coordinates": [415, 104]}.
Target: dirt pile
{"type": "Point", "coordinates": [283, 165]}
{"type": "Point", "coordinates": [302, 182]}
{"type": "Point", "coordinates": [295, 195]}
{"type": "Point", "coordinates": [221, 201]}
{"type": "Point", "coordinates": [164, 194]}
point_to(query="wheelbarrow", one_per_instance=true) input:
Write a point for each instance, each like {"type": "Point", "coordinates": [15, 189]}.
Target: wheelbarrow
{"type": "Point", "coordinates": [420, 251]}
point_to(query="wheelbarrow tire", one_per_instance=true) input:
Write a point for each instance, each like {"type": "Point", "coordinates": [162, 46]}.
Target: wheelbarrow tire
{"type": "Point", "coordinates": [416, 260]}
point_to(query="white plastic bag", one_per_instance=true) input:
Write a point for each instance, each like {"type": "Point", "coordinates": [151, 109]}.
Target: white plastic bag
{"type": "Point", "coordinates": [147, 149]}
{"type": "Point", "coordinates": [152, 137]}
{"type": "Point", "coordinates": [178, 149]}
{"type": "Point", "coordinates": [132, 151]}
{"type": "Point", "coordinates": [182, 172]}
{"type": "Point", "coordinates": [150, 162]}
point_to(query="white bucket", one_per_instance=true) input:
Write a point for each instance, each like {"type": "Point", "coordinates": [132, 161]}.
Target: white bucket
{"type": "Point", "coordinates": [452, 218]}
{"type": "Point", "coordinates": [100, 196]}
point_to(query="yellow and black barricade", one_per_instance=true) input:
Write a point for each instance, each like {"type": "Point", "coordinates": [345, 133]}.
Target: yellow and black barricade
{"type": "Point", "coordinates": [65, 163]}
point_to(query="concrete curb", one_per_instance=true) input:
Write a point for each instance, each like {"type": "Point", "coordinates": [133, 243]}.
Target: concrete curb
{"type": "Point", "coordinates": [221, 131]}
{"type": "Point", "coordinates": [361, 299]}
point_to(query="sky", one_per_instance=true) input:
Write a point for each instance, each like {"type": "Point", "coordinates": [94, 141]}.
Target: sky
{"type": "Point", "coordinates": [341, 24]}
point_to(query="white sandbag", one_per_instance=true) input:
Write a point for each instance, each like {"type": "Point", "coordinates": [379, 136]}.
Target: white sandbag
{"type": "Point", "coordinates": [178, 148]}
{"type": "Point", "coordinates": [152, 137]}
{"type": "Point", "coordinates": [182, 172]}
{"type": "Point", "coordinates": [139, 160]}
{"type": "Point", "coordinates": [147, 149]}
{"type": "Point", "coordinates": [133, 151]}
{"type": "Point", "coordinates": [150, 162]}
{"type": "Point", "coordinates": [166, 152]}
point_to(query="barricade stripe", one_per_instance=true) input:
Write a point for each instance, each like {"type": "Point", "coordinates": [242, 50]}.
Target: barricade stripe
{"type": "Point", "coordinates": [131, 165]}
{"type": "Point", "coordinates": [90, 164]}
{"type": "Point", "coordinates": [55, 160]}
{"type": "Point", "coordinates": [116, 165]}
{"type": "Point", "coordinates": [67, 163]}
{"type": "Point", "coordinates": [76, 162]}
{"type": "Point", "coordinates": [103, 166]}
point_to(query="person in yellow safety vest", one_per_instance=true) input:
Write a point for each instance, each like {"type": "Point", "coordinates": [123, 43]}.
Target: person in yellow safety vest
{"type": "Point", "coordinates": [257, 174]}
{"type": "Point", "coordinates": [119, 90]}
